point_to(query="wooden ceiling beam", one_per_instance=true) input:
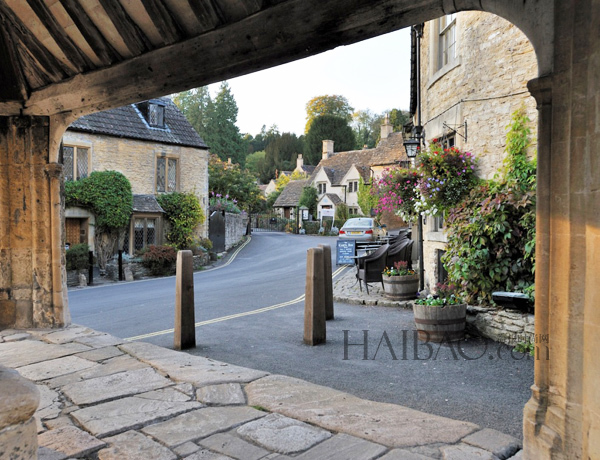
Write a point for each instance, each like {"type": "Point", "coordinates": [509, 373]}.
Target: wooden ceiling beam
{"type": "Point", "coordinates": [13, 85]}
{"type": "Point", "coordinates": [207, 15]}
{"type": "Point", "coordinates": [76, 57]}
{"type": "Point", "coordinates": [163, 20]}
{"type": "Point", "coordinates": [101, 47]}
{"type": "Point", "coordinates": [280, 34]}
{"type": "Point", "coordinates": [45, 62]}
{"type": "Point", "coordinates": [133, 37]}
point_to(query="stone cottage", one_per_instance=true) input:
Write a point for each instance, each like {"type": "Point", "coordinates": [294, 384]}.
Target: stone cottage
{"type": "Point", "coordinates": [474, 69]}
{"type": "Point", "coordinates": [155, 147]}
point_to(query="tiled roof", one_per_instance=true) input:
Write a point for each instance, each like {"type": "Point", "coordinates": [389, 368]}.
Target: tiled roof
{"type": "Point", "coordinates": [335, 199]}
{"type": "Point", "coordinates": [389, 151]}
{"type": "Point", "coordinates": [308, 169]}
{"type": "Point", "coordinates": [146, 203]}
{"type": "Point", "coordinates": [290, 196]}
{"type": "Point", "coordinates": [128, 121]}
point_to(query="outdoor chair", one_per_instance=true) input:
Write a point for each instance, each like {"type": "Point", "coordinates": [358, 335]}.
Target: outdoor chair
{"type": "Point", "coordinates": [369, 267]}
{"type": "Point", "coordinates": [400, 251]}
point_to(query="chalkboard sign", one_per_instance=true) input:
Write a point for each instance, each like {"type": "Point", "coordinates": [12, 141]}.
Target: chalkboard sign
{"type": "Point", "coordinates": [345, 252]}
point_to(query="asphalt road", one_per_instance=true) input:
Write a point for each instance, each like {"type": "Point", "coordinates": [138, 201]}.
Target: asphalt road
{"type": "Point", "coordinates": [476, 380]}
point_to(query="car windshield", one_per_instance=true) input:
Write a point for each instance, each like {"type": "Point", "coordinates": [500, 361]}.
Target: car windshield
{"type": "Point", "coordinates": [359, 223]}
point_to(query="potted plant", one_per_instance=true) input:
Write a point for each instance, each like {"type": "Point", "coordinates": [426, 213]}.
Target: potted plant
{"type": "Point", "coordinates": [399, 282]}
{"type": "Point", "coordinates": [440, 317]}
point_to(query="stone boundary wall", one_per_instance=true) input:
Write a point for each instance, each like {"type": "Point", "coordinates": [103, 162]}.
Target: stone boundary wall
{"type": "Point", "coordinates": [235, 229]}
{"type": "Point", "coordinates": [505, 326]}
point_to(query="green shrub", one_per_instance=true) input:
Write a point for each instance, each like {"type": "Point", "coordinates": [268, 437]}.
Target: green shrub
{"type": "Point", "coordinates": [78, 257]}
{"type": "Point", "coordinates": [160, 260]}
{"type": "Point", "coordinates": [184, 213]}
{"type": "Point", "coordinates": [311, 227]}
{"type": "Point", "coordinates": [491, 234]}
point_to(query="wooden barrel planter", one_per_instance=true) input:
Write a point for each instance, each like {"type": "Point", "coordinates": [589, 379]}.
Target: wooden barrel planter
{"type": "Point", "coordinates": [400, 287]}
{"type": "Point", "coordinates": [440, 324]}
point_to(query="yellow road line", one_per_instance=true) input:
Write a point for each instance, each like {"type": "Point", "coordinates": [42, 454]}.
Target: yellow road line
{"type": "Point", "coordinates": [237, 315]}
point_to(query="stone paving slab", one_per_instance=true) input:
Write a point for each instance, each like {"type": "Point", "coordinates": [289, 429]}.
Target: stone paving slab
{"type": "Point", "coordinates": [227, 444]}
{"type": "Point", "coordinates": [501, 445]}
{"type": "Point", "coordinates": [344, 447]}
{"type": "Point", "coordinates": [223, 394]}
{"type": "Point", "coordinates": [100, 354]}
{"type": "Point", "coordinates": [132, 445]}
{"type": "Point", "coordinates": [386, 424]}
{"type": "Point", "coordinates": [182, 367]}
{"type": "Point", "coordinates": [70, 441]}
{"type": "Point", "coordinates": [282, 434]}
{"type": "Point", "coordinates": [50, 405]}
{"type": "Point", "coordinates": [54, 368]}
{"type": "Point", "coordinates": [128, 413]}
{"type": "Point", "coordinates": [108, 367]}
{"type": "Point", "coordinates": [207, 455]}
{"type": "Point", "coordinates": [200, 424]}
{"type": "Point", "coordinates": [400, 454]}
{"type": "Point", "coordinates": [115, 385]}
{"type": "Point", "coordinates": [466, 452]}
{"type": "Point", "coordinates": [25, 352]}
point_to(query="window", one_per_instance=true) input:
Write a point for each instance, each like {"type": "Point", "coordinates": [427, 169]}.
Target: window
{"type": "Point", "coordinates": [143, 233]}
{"type": "Point", "coordinates": [75, 162]}
{"type": "Point", "coordinates": [353, 186]}
{"type": "Point", "coordinates": [322, 188]}
{"type": "Point", "coordinates": [449, 141]}
{"type": "Point", "coordinates": [156, 115]}
{"type": "Point", "coordinates": [446, 40]}
{"type": "Point", "coordinates": [442, 273]}
{"type": "Point", "coordinates": [166, 174]}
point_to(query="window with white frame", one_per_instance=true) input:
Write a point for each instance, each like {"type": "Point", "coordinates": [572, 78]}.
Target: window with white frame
{"type": "Point", "coordinates": [353, 186]}
{"type": "Point", "coordinates": [446, 40]}
{"type": "Point", "coordinates": [166, 174]}
{"type": "Point", "coordinates": [76, 162]}
{"type": "Point", "coordinates": [322, 188]}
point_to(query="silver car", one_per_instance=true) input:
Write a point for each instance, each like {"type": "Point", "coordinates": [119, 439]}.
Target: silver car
{"type": "Point", "coordinates": [362, 229]}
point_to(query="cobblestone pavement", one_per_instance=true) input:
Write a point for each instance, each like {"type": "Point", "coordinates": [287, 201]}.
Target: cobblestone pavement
{"type": "Point", "coordinates": [347, 290]}
{"type": "Point", "coordinates": [104, 398]}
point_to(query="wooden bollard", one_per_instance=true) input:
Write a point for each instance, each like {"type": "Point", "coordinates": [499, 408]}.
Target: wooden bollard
{"type": "Point", "coordinates": [185, 328]}
{"type": "Point", "coordinates": [327, 276]}
{"type": "Point", "coordinates": [314, 302]}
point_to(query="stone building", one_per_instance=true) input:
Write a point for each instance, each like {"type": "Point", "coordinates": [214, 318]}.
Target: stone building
{"type": "Point", "coordinates": [154, 146]}
{"type": "Point", "coordinates": [474, 72]}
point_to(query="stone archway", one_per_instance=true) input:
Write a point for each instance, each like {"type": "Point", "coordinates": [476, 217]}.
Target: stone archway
{"type": "Point", "coordinates": [562, 420]}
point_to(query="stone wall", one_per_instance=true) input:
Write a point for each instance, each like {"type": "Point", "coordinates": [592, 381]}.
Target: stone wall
{"type": "Point", "coordinates": [504, 326]}
{"type": "Point", "coordinates": [484, 85]}
{"type": "Point", "coordinates": [136, 160]}
{"type": "Point", "coordinates": [235, 228]}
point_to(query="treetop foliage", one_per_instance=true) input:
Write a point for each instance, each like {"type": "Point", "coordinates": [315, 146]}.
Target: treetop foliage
{"type": "Point", "coordinates": [327, 127]}
{"type": "Point", "coordinates": [232, 180]}
{"type": "Point", "coordinates": [335, 105]}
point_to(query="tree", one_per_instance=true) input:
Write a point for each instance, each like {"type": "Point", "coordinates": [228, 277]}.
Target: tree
{"type": "Point", "coordinates": [362, 124]}
{"type": "Point", "coordinates": [309, 198]}
{"type": "Point", "coordinates": [335, 105]}
{"type": "Point", "coordinates": [233, 180]}
{"type": "Point", "coordinates": [366, 199]}
{"type": "Point", "coordinates": [281, 153]}
{"type": "Point", "coordinates": [327, 127]}
{"type": "Point", "coordinates": [214, 120]}
{"type": "Point", "coordinates": [255, 162]}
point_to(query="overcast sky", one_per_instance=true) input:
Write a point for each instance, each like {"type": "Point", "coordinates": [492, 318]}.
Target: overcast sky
{"type": "Point", "coordinates": [373, 74]}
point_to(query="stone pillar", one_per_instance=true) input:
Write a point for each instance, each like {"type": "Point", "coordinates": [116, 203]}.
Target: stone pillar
{"type": "Point", "coordinates": [185, 322]}
{"type": "Point", "coordinates": [19, 399]}
{"type": "Point", "coordinates": [562, 419]}
{"type": "Point", "coordinates": [314, 301]}
{"type": "Point", "coordinates": [32, 278]}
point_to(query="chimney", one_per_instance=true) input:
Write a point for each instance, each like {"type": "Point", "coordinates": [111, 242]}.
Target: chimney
{"type": "Point", "coordinates": [327, 149]}
{"type": "Point", "coordinates": [386, 128]}
{"type": "Point", "coordinates": [299, 163]}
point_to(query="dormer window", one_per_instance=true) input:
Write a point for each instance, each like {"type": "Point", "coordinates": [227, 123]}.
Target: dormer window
{"type": "Point", "coordinates": [156, 115]}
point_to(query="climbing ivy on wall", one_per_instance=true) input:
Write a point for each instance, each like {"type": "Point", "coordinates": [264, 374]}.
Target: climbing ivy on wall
{"type": "Point", "coordinates": [108, 195]}
{"type": "Point", "coordinates": [491, 234]}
